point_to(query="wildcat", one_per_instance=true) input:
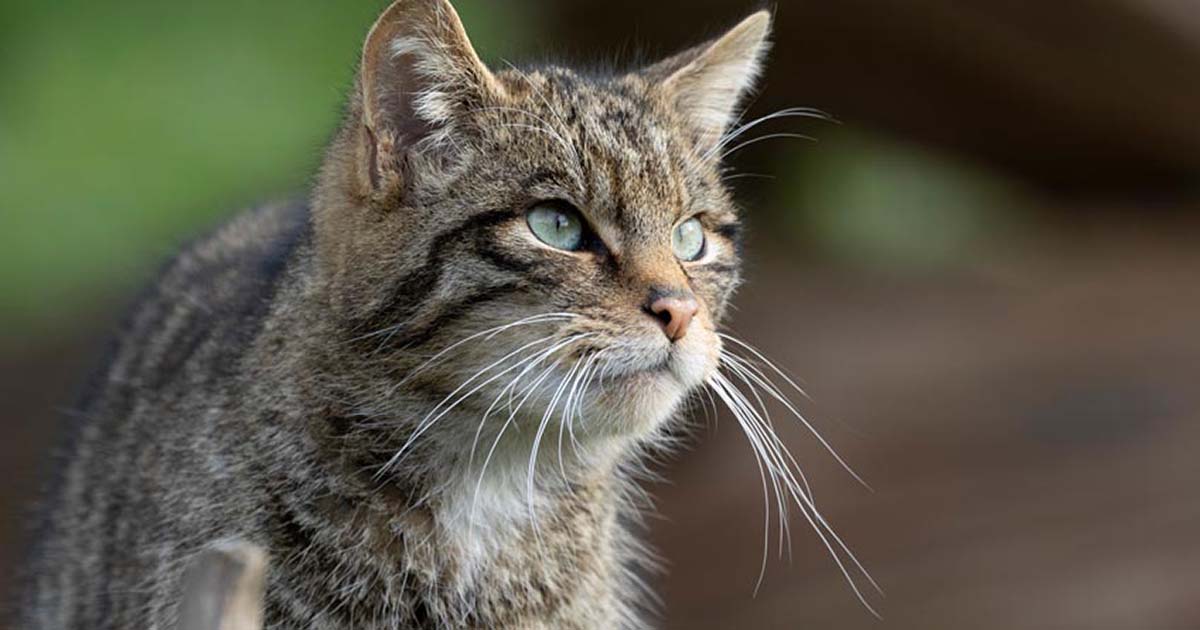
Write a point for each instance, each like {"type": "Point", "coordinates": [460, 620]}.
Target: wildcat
{"type": "Point", "coordinates": [421, 392]}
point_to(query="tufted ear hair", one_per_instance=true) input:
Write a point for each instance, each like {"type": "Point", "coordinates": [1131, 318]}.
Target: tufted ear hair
{"type": "Point", "coordinates": [708, 82]}
{"type": "Point", "coordinates": [419, 73]}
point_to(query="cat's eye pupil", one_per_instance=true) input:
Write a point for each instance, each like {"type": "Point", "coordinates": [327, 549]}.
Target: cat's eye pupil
{"type": "Point", "coordinates": [688, 240]}
{"type": "Point", "coordinates": [558, 226]}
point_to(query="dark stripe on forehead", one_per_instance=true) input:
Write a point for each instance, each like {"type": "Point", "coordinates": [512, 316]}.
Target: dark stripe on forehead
{"type": "Point", "coordinates": [416, 287]}
{"type": "Point", "coordinates": [616, 188]}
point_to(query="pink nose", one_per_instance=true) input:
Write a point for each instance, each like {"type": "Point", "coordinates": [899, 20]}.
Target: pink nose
{"type": "Point", "coordinates": [675, 314]}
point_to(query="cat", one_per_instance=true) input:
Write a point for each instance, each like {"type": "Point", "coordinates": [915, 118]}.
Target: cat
{"type": "Point", "coordinates": [424, 391]}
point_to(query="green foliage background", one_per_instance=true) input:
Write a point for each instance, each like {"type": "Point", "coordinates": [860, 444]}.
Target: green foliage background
{"type": "Point", "coordinates": [127, 127]}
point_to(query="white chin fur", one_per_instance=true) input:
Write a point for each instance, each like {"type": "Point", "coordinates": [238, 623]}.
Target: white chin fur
{"type": "Point", "coordinates": [637, 403]}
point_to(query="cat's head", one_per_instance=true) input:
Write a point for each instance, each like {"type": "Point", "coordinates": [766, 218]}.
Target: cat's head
{"type": "Point", "coordinates": [565, 236]}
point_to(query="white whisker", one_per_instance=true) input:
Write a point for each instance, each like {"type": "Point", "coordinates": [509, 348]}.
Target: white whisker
{"type": "Point", "coordinates": [793, 112]}
{"type": "Point", "coordinates": [773, 456]}
{"type": "Point", "coordinates": [570, 407]}
{"type": "Point", "coordinates": [775, 393]}
{"type": "Point", "coordinates": [736, 365]}
{"type": "Point", "coordinates": [529, 365]}
{"type": "Point", "coordinates": [772, 136]}
{"type": "Point", "coordinates": [537, 443]}
{"type": "Point", "coordinates": [541, 378]}
{"type": "Point", "coordinates": [434, 415]}
{"type": "Point", "coordinates": [807, 496]}
{"type": "Point", "coordinates": [721, 391]}
{"type": "Point", "coordinates": [772, 447]}
{"type": "Point", "coordinates": [488, 334]}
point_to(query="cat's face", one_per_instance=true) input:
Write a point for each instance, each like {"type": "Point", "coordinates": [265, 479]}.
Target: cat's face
{"type": "Point", "coordinates": [536, 240]}
{"type": "Point", "coordinates": [607, 212]}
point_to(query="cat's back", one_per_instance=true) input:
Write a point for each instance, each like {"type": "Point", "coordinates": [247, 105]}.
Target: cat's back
{"type": "Point", "coordinates": [138, 460]}
{"type": "Point", "coordinates": [195, 321]}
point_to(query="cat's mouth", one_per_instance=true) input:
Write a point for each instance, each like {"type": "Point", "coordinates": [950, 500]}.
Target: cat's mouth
{"type": "Point", "coordinates": [633, 376]}
{"type": "Point", "coordinates": [642, 390]}
{"type": "Point", "coordinates": [681, 366]}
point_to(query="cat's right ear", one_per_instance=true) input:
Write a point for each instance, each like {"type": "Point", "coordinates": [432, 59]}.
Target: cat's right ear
{"type": "Point", "coordinates": [419, 75]}
{"type": "Point", "coordinates": [708, 82]}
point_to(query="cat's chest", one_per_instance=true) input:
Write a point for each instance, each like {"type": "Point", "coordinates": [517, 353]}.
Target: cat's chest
{"type": "Point", "coordinates": [406, 571]}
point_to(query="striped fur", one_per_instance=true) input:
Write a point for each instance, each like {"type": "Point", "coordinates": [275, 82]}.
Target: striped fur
{"type": "Point", "coordinates": [288, 380]}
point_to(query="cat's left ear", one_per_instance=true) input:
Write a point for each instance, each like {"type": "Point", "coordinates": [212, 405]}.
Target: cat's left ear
{"type": "Point", "coordinates": [707, 83]}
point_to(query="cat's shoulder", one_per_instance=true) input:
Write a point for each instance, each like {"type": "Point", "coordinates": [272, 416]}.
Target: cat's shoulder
{"type": "Point", "coordinates": [239, 262]}
{"type": "Point", "coordinates": [210, 299]}
{"type": "Point", "coordinates": [251, 247]}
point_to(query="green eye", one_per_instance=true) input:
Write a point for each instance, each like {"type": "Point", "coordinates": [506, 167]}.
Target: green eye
{"type": "Point", "coordinates": [688, 240]}
{"type": "Point", "coordinates": [556, 226]}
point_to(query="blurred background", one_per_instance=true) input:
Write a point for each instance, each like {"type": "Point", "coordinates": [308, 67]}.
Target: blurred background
{"type": "Point", "coordinates": [986, 274]}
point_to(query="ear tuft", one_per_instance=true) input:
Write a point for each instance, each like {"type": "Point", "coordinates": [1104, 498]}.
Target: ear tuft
{"type": "Point", "coordinates": [708, 83]}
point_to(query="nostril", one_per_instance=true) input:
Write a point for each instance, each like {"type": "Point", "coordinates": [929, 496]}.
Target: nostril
{"type": "Point", "coordinates": [674, 314]}
{"type": "Point", "coordinates": [663, 315]}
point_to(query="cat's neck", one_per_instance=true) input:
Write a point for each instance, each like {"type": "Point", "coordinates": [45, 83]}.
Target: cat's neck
{"type": "Point", "coordinates": [469, 517]}
{"type": "Point", "coordinates": [472, 485]}
{"type": "Point", "coordinates": [486, 512]}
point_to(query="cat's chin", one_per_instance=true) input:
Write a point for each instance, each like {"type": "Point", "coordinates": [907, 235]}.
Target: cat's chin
{"type": "Point", "coordinates": [637, 403]}
{"type": "Point", "coordinates": [637, 400]}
